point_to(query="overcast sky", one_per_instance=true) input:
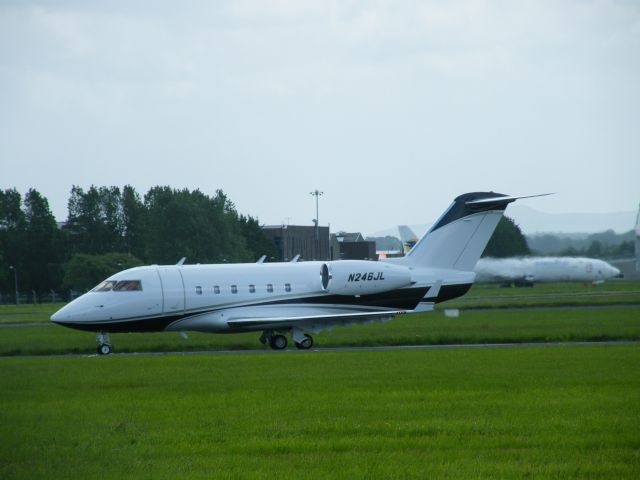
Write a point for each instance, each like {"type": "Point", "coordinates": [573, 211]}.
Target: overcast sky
{"type": "Point", "coordinates": [390, 108]}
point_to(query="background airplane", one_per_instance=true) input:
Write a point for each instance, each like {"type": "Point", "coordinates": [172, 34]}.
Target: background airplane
{"type": "Point", "coordinates": [528, 270]}
{"type": "Point", "coordinates": [293, 298]}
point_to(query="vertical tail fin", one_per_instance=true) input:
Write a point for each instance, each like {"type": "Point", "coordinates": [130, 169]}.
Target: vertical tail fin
{"type": "Point", "coordinates": [461, 234]}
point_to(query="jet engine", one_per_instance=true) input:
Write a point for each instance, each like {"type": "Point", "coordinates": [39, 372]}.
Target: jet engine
{"type": "Point", "coordinates": [361, 277]}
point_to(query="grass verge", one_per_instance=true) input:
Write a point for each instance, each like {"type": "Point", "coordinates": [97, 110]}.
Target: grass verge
{"type": "Point", "coordinates": [516, 326]}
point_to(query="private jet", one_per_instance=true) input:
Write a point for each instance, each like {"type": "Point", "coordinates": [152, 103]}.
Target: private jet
{"type": "Point", "coordinates": [293, 299]}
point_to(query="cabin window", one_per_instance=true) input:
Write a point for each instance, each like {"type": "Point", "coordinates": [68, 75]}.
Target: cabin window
{"type": "Point", "coordinates": [270, 287]}
{"type": "Point", "coordinates": [105, 286]}
{"type": "Point", "coordinates": [216, 289]}
{"type": "Point", "coordinates": [234, 289]}
{"type": "Point", "coordinates": [198, 290]}
{"type": "Point", "coordinates": [252, 289]}
{"type": "Point", "coordinates": [128, 286]}
{"type": "Point", "coordinates": [287, 287]}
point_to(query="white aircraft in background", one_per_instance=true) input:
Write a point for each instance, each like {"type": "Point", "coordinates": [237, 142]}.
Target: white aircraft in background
{"type": "Point", "coordinates": [528, 270]}
{"type": "Point", "coordinates": [293, 298]}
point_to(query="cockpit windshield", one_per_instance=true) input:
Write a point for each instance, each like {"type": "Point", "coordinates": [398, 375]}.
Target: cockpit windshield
{"type": "Point", "coordinates": [105, 286]}
{"type": "Point", "coordinates": [119, 286]}
{"type": "Point", "coordinates": [128, 286]}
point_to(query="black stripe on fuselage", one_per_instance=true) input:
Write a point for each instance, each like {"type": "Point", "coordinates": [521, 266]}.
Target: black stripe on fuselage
{"type": "Point", "coordinates": [448, 292]}
{"type": "Point", "coordinates": [403, 299]}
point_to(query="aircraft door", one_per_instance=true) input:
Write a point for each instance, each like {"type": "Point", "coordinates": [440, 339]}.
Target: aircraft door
{"type": "Point", "coordinates": [172, 289]}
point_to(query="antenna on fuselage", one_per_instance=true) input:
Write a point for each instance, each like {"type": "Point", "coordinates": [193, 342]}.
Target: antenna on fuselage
{"type": "Point", "coordinates": [181, 261]}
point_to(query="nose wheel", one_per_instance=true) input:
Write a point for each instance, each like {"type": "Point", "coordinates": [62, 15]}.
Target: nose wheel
{"type": "Point", "coordinates": [104, 343]}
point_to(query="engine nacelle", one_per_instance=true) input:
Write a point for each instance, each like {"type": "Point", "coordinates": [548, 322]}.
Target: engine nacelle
{"type": "Point", "coordinates": [362, 277]}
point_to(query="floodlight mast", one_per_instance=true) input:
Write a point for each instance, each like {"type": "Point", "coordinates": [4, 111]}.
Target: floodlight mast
{"type": "Point", "coordinates": [316, 193]}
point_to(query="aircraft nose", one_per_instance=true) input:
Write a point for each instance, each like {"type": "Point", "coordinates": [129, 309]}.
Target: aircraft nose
{"type": "Point", "coordinates": [65, 314]}
{"type": "Point", "coordinates": [57, 317]}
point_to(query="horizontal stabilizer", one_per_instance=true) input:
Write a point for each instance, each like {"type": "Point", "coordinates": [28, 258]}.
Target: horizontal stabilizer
{"type": "Point", "coordinates": [503, 199]}
{"type": "Point", "coordinates": [424, 306]}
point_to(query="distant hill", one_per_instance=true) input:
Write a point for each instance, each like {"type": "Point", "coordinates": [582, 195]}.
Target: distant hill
{"type": "Point", "coordinates": [532, 221]}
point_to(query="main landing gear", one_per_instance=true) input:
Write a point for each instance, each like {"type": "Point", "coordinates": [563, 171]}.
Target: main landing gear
{"type": "Point", "coordinates": [277, 341]}
{"type": "Point", "coordinates": [104, 343]}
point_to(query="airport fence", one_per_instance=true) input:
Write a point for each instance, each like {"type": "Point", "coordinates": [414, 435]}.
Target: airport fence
{"type": "Point", "coordinates": [35, 298]}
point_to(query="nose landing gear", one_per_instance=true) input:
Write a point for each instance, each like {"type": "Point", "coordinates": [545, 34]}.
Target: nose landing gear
{"type": "Point", "coordinates": [104, 343]}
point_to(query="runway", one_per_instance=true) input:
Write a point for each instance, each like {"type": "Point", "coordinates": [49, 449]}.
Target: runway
{"type": "Point", "coordinates": [339, 349]}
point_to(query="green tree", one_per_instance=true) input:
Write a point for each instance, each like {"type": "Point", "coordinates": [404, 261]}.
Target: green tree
{"type": "Point", "coordinates": [595, 250]}
{"type": "Point", "coordinates": [41, 267]}
{"type": "Point", "coordinates": [12, 233]}
{"type": "Point", "coordinates": [132, 221]}
{"type": "Point", "coordinates": [180, 223]}
{"type": "Point", "coordinates": [84, 272]}
{"type": "Point", "coordinates": [96, 220]}
{"type": "Point", "coordinates": [257, 242]}
{"type": "Point", "coordinates": [507, 241]}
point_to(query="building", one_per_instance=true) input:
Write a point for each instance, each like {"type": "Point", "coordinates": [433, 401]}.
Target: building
{"type": "Point", "coordinates": [292, 240]}
{"type": "Point", "coordinates": [352, 246]}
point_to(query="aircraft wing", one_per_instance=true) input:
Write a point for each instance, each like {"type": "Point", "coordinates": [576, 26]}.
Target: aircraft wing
{"type": "Point", "coordinates": [314, 319]}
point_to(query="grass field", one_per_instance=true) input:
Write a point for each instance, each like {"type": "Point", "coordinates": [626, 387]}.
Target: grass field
{"type": "Point", "coordinates": [549, 294]}
{"type": "Point", "coordinates": [535, 412]}
{"type": "Point", "coordinates": [435, 328]}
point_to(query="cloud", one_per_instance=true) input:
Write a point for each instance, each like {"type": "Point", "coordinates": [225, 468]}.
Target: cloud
{"type": "Point", "coordinates": [466, 92]}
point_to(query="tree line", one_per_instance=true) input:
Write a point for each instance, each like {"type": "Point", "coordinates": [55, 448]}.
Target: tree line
{"type": "Point", "coordinates": [507, 241]}
{"type": "Point", "coordinates": [607, 244]}
{"type": "Point", "coordinates": [109, 229]}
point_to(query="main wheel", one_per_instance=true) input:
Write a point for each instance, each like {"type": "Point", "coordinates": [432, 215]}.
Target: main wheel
{"type": "Point", "coordinates": [278, 342]}
{"type": "Point", "coordinates": [305, 344]}
{"type": "Point", "coordinates": [104, 349]}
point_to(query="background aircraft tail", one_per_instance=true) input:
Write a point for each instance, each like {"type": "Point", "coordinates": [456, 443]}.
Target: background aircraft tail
{"type": "Point", "coordinates": [461, 234]}
{"type": "Point", "coordinates": [408, 238]}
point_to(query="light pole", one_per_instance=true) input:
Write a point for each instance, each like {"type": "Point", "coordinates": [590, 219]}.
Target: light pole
{"type": "Point", "coordinates": [15, 281]}
{"type": "Point", "coordinates": [316, 193]}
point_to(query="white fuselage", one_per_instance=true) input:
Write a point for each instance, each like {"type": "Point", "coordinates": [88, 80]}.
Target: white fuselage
{"type": "Point", "coordinates": [225, 298]}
